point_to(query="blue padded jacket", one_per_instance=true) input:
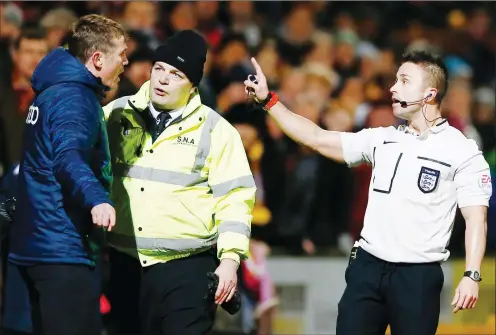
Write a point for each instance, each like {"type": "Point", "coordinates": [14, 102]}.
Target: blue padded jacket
{"type": "Point", "coordinates": [65, 166]}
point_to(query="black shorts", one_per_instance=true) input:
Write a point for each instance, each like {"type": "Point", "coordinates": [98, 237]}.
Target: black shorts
{"type": "Point", "coordinates": [405, 296]}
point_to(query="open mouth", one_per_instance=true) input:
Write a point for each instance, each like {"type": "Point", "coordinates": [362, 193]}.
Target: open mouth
{"type": "Point", "coordinates": [396, 101]}
{"type": "Point", "coordinates": [160, 92]}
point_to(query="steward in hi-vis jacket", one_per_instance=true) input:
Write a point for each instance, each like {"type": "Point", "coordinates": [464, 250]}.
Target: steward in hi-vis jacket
{"type": "Point", "coordinates": [183, 193]}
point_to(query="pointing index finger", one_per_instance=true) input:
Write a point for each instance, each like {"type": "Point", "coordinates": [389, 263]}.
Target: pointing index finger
{"type": "Point", "coordinates": [257, 67]}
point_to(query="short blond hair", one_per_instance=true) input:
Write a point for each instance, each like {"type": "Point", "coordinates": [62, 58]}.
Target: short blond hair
{"type": "Point", "coordinates": [93, 33]}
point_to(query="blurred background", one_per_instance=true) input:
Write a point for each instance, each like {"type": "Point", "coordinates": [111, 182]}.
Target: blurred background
{"type": "Point", "coordinates": [331, 62]}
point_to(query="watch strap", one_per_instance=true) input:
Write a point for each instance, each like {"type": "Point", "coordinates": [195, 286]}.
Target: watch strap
{"type": "Point", "coordinates": [474, 275]}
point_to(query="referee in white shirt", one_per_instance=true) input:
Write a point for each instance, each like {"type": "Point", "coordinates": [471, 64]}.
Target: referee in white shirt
{"type": "Point", "coordinates": [421, 172]}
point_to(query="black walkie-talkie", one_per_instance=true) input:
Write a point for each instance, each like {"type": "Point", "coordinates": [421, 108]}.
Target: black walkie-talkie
{"type": "Point", "coordinates": [232, 306]}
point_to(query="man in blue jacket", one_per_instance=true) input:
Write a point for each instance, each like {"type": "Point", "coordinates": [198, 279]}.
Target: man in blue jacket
{"type": "Point", "coordinates": [64, 177]}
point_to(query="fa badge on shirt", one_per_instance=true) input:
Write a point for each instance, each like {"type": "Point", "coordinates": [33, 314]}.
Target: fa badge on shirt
{"type": "Point", "coordinates": [428, 179]}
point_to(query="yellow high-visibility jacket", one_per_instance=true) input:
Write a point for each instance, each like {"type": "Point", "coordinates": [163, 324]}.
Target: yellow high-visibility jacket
{"type": "Point", "coordinates": [190, 189]}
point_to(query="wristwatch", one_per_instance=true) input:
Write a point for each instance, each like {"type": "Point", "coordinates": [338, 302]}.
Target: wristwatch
{"type": "Point", "coordinates": [474, 275]}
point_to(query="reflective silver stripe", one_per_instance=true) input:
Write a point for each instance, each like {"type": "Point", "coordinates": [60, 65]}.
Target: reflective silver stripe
{"type": "Point", "coordinates": [234, 227]}
{"type": "Point", "coordinates": [205, 139]}
{"type": "Point", "coordinates": [172, 177]}
{"type": "Point", "coordinates": [160, 244]}
{"type": "Point", "coordinates": [224, 188]}
{"type": "Point", "coordinates": [161, 176]}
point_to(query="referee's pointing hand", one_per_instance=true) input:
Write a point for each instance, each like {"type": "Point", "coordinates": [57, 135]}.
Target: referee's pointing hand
{"type": "Point", "coordinates": [466, 295]}
{"type": "Point", "coordinates": [260, 87]}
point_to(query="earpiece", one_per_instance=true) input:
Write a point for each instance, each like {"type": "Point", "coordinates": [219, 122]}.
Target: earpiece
{"type": "Point", "coordinates": [405, 104]}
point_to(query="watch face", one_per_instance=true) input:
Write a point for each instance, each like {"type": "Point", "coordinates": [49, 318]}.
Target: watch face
{"type": "Point", "coordinates": [476, 275]}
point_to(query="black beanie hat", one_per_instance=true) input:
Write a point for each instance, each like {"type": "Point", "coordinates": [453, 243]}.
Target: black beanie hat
{"type": "Point", "coordinates": [186, 51]}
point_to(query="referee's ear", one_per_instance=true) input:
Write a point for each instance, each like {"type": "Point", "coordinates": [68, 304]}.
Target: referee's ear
{"type": "Point", "coordinates": [431, 95]}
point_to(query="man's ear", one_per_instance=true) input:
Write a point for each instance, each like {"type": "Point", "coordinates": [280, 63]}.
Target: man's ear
{"type": "Point", "coordinates": [97, 61]}
{"type": "Point", "coordinates": [431, 95]}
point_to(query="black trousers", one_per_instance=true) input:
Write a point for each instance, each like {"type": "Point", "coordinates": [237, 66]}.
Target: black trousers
{"type": "Point", "coordinates": [379, 293]}
{"type": "Point", "coordinates": [64, 299]}
{"type": "Point", "coordinates": [171, 296]}
{"type": "Point", "coordinates": [123, 293]}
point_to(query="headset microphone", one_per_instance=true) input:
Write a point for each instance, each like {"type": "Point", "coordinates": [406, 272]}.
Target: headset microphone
{"type": "Point", "coordinates": [404, 104]}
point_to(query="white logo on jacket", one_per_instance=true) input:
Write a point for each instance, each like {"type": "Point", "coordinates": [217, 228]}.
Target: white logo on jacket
{"type": "Point", "coordinates": [33, 114]}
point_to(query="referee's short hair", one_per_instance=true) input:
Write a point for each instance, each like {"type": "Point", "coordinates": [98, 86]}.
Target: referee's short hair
{"type": "Point", "coordinates": [435, 68]}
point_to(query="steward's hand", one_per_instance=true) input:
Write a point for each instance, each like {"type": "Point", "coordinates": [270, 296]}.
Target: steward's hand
{"type": "Point", "coordinates": [228, 280]}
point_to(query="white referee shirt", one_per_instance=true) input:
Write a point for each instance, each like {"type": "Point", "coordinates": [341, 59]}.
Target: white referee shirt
{"type": "Point", "coordinates": [416, 184]}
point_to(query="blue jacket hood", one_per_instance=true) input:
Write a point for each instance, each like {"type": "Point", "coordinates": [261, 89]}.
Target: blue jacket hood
{"type": "Point", "coordinates": [59, 66]}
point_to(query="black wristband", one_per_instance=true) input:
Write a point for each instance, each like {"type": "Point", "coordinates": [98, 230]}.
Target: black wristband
{"type": "Point", "coordinates": [266, 100]}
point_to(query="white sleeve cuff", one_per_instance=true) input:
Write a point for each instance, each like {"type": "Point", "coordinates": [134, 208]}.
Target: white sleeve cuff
{"type": "Point", "coordinates": [473, 202]}
{"type": "Point", "coordinates": [351, 157]}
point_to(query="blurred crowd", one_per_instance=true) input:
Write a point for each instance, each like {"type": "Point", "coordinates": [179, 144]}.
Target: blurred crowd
{"type": "Point", "coordinates": [331, 62]}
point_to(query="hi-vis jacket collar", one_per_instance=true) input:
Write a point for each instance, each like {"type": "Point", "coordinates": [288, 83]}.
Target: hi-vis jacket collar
{"type": "Point", "coordinates": [140, 100]}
